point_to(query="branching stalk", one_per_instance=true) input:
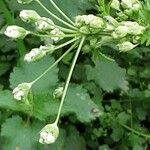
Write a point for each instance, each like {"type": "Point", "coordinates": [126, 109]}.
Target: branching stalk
{"type": "Point", "coordinates": [53, 15]}
{"type": "Point", "coordinates": [54, 64]}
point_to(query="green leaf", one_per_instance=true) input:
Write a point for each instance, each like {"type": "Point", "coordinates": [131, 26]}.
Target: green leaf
{"type": "Point", "coordinates": [27, 72]}
{"type": "Point", "coordinates": [4, 67]}
{"type": "Point", "coordinates": [20, 135]}
{"type": "Point", "coordinates": [77, 102]}
{"type": "Point", "coordinates": [108, 75]}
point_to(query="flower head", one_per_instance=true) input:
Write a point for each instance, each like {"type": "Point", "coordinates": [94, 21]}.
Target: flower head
{"type": "Point", "coordinates": [89, 20]}
{"type": "Point", "coordinates": [58, 92]}
{"type": "Point", "coordinates": [21, 91]}
{"type": "Point", "coordinates": [44, 24]}
{"type": "Point", "coordinates": [16, 32]}
{"type": "Point", "coordinates": [37, 53]}
{"type": "Point", "coordinates": [120, 31]}
{"type": "Point", "coordinates": [49, 134]}
{"type": "Point", "coordinates": [57, 34]}
{"type": "Point", "coordinates": [133, 27]}
{"type": "Point", "coordinates": [115, 4]}
{"type": "Point", "coordinates": [126, 46]}
{"type": "Point", "coordinates": [24, 1]}
{"type": "Point", "coordinates": [127, 4]}
{"type": "Point", "coordinates": [29, 15]}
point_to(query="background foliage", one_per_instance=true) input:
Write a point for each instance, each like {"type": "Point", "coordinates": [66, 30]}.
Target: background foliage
{"type": "Point", "coordinates": [107, 105]}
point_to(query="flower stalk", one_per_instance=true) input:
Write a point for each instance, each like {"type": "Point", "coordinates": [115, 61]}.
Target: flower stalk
{"type": "Point", "coordinates": [69, 78]}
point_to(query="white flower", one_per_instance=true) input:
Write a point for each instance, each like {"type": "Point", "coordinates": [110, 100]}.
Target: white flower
{"type": "Point", "coordinates": [36, 53]}
{"type": "Point", "coordinates": [29, 15]}
{"type": "Point", "coordinates": [127, 4]}
{"type": "Point", "coordinates": [126, 46]}
{"type": "Point", "coordinates": [90, 20]}
{"type": "Point", "coordinates": [15, 32]}
{"type": "Point", "coordinates": [115, 4]}
{"type": "Point", "coordinates": [24, 1]}
{"type": "Point", "coordinates": [134, 27]}
{"type": "Point", "coordinates": [58, 92]}
{"type": "Point", "coordinates": [57, 34]}
{"type": "Point", "coordinates": [21, 91]}
{"type": "Point", "coordinates": [49, 134]}
{"type": "Point", "coordinates": [44, 24]}
{"type": "Point", "coordinates": [120, 31]}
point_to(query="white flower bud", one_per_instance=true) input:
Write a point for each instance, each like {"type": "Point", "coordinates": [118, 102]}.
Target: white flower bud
{"type": "Point", "coordinates": [49, 134]}
{"type": "Point", "coordinates": [24, 1]}
{"type": "Point", "coordinates": [21, 91]}
{"type": "Point", "coordinates": [115, 4]}
{"type": "Point", "coordinates": [57, 34]}
{"type": "Point", "coordinates": [126, 46]}
{"type": "Point", "coordinates": [136, 6]}
{"type": "Point", "coordinates": [44, 24]}
{"type": "Point", "coordinates": [120, 31]}
{"type": "Point", "coordinates": [29, 15]}
{"type": "Point", "coordinates": [134, 27]}
{"type": "Point", "coordinates": [127, 4]}
{"type": "Point", "coordinates": [90, 20]}
{"type": "Point", "coordinates": [16, 32]}
{"type": "Point", "coordinates": [37, 53]}
{"type": "Point", "coordinates": [58, 92]}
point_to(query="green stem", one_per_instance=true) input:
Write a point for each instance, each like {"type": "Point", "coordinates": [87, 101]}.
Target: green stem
{"type": "Point", "coordinates": [10, 20]}
{"type": "Point", "coordinates": [68, 79]}
{"type": "Point", "coordinates": [54, 64]}
{"type": "Point", "coordinates": [65, 44]}
{"type": "Point", "coordinates": [50, 36]}
{"type": "Point", "coordinates": [67, 24]}
{"type": "Point", "coordinates": [61, 12]}
{"type": "Point", "coordinates": [135, 131]}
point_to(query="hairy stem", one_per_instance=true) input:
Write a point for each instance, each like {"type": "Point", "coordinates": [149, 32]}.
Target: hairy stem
{"type": "Point", "coordinates": [68, 79]}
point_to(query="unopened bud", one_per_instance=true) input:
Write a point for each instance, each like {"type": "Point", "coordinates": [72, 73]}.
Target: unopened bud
{"type": "Point", "coordinates": [16, 32]}
{"type": "Point", "coordinates": [58, 92]}
{"type": "Point", "coordinates": [29, 15]}
{"type": "Point", "coordinates": [49, 134]}
{"type": "Point", "coordinates": [57, 34]}
{"type": "Point", "coordinates": [115, 4]}
{"type": "Point", "coordinates": [21, 91]}
{"type": "Point", "coordinates": [126, 46]}
{"type": "Point", "coordinates": [44, 24]}
{"type": "Point", "coordinates": [127, 4]}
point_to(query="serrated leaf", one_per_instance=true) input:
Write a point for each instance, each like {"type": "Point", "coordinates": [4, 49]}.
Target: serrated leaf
{"type": "Point", "coordinates": [108, 75]}
{"type": "Point", "coordinates": [20, 135]}
{"type": "Point", "coordinates": [77, 102]}
{"type": "Point", "coordinates": [27, 72]}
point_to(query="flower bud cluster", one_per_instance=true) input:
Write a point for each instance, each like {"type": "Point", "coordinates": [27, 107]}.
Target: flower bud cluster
{"type": "Point", "coordinates": [128, 31]}
{"type": "Point", "coordinates": [128, 5]}
{"type": "Point", "coordinates": [49, 134]}
{"type": "Point", "coordinates": [89, 23]}
{"type": "Point", "coordinates": [128, 28]}
{"type": "Point", "coordinates": [21, 91]}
